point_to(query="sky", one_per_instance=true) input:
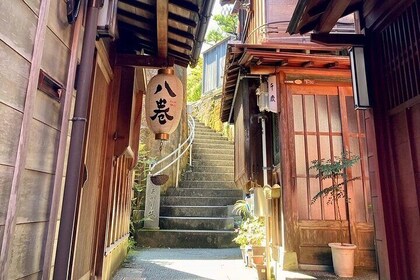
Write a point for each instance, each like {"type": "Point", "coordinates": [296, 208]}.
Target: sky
{"type": "Point", "coordinates": [212, 25]}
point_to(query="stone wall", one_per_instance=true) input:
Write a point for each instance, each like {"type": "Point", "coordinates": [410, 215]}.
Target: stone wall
{"type": "Point", "coordinates": [207, 111]}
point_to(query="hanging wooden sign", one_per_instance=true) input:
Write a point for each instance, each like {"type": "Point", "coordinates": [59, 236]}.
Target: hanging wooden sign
{"type": "Point", "coordinates": [163, 103]}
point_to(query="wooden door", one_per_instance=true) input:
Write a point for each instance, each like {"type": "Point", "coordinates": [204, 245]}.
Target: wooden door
{"type": "Point", "coordinates": [94, 161]}
{"type": "Point", "coordinates": [325, 124]}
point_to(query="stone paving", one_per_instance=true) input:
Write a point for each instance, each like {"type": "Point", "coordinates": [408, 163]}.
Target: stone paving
{"type": "Point", "coordinates": [205, 264]}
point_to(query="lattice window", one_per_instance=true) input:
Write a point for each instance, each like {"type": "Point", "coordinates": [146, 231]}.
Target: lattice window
{"type": "Point", "coordinates": [401, 57]}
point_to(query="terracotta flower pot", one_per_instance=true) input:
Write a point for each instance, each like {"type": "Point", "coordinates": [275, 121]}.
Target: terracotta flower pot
{"type": "Point", "coordinates": [258, 259]}
{"type": "Point", "coordinates": [343, 258]}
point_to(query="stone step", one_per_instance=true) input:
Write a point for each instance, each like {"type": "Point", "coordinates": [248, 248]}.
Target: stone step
{"type": "Point", "coordinates": [209, 136]}
{"type": "Point", "coordinates": [197, 201]}
{"type": "Point", "coordinates": [207, 184]}
{"type": "Point", "coordinates": [212, 162]}
{"type": "Point", "coordinates": [208, 132]}
{"type": "Point", "coordinates": [185, 238]}
{"type": "Point", "coordinates": [203, 128]}
{"type": "Point", "coordinates": [198, 141]}
{"type": "Point", "coordinates": [215, 169]}
{"type": "Point", "coordinates": [207, 145]}
{"type": "Point", "coordinates": [200, 223]}
{"type": "Point", "coordinates": [206, 176]}
{"type": "Point", "coordinates": [194, 211]}
{"type": "Point", "coordinates": [201, 192]}
{"type": "Point", "coordinates": [213, 156]}
{"type": "Point", "coordinates": [211, 150]}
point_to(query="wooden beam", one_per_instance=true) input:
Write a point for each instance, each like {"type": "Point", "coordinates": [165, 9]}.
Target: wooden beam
{"type": "Point", "coordinates": [179, 54]}
{"type": "Point", "coordinates": [137, 17]}
{"type": "Point", "coordinates": [162, 27]}
{"type": "Point", "coordinates": [140, 5]}
{"type": "Point", "coordinates": [180, 32]}
{"type": "Point", "coordinates": [143, 61]}
{"type": "Point", "coordinates": [334, 11]}
{"type": "Point", "coordinates": [135, 29]}
{"type": "Point", "coordinates": [187, 5]}
{"type": "Point", "coordinates": [183, 20]}
{"type": "Point", "coordinates": [22, 151]}
{"type": "Point", "coordinates": [308, 64]}
{"type": "Point", "coordinates": [179, 44]}
{"type": "Point", "coordinates": [332, 64]}
{"type": "Point", "coordinates": [338, 39]}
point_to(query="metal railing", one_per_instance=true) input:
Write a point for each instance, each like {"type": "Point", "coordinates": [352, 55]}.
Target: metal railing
{"type": "Point", "coordinates": [180, 151]}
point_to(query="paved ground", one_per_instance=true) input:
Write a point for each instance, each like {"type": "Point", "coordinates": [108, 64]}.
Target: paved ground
{"type": "Point", "coordinates": [203, 264]}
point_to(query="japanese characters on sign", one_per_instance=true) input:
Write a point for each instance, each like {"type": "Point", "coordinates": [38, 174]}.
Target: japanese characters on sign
{"type": "Point", "coordinates": [164, 103]}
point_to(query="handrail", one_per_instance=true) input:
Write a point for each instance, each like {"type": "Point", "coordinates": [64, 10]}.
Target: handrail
{"type": "Point", "coordinates": [189, 140]}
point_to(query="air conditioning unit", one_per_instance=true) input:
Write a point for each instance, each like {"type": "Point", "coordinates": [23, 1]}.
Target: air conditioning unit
{"type": "Point", "coordinates": [107, 19]}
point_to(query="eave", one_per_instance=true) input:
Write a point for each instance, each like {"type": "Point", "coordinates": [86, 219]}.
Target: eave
{"type": "Point", "coordinates": [172, 29]}
{"type": "Point", "coordinates": [253, 59]}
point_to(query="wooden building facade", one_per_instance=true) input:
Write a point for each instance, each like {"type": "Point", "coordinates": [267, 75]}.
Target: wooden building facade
{"type": "Point", "coordinates": [390, 37]}
{"type": "Point", "coordinates": [70, 106]}
{"type": "Point", "coordinates": [315, 119]}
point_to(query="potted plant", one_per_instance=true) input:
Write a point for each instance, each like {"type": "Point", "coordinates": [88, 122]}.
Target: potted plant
{"type": "Point", "coordinates": [241, 208]}
{"type": "Point", "coordinates": [336, 171]}
{"type": "Point", "coordinates": [250, 234]}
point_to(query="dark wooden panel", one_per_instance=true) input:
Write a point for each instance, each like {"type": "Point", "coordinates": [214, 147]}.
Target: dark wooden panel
{"type": "Point", "coordinates": [125, 104]}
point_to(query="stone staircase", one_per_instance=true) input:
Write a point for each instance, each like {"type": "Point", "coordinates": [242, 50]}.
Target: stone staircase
{"type": "Point", "coordinates": [195, 215]}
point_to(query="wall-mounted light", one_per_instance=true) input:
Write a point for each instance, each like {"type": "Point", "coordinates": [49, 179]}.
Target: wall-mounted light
{"type": "Point", "coordinates": [358, 77]}
{"type": "Point", "coordinates": [263, 97]}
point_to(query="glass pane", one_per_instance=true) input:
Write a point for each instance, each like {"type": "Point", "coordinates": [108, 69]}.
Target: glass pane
{"type": "Point", "coordinates": [297, 112]}
{"type": "Point", "coordinates": [328, 206]}
{"type": "Point", "coordinates": [324, 143]}
{"type": "Point", "coordinates": [335, 114]}
{"type": "Point", "coordinates": [302, 194]}
{"type": "Point", "coordinates": [337, 145]}
{"type": "Point", "coordinates": [312, 152]}
{"type": "Point", "coordinates": [354, 148]}
{"type": "Point", "coordinates": [359, 201]}
{"type": "Point", "coordinates": [300, 155]}
{"type": "Point", "coordinates": [322, 113]}
{"type": "Point", "coordinates": [310, 113]}
{"type": "Point", "coordinates": [351, 114]}
{"type": "Point", "coordinates": [316, 207]}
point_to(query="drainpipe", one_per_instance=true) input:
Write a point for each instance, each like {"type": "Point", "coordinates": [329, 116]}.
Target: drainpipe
{"type": "Point", "coordinates": [62, 268]}
{"type": "Point", "coordinates": [205, 19]}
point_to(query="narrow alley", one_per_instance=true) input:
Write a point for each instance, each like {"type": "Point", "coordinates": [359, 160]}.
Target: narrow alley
{"type": "Point", "coordinates": [205, 264]}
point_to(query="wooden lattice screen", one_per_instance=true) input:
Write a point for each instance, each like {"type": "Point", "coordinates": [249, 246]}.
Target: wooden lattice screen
{"type": "Point", "coordinates": [401, 57]}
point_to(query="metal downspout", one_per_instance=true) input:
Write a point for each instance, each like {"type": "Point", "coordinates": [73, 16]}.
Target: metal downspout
{"type": "Point", "coordinates": [62, 268]}
{"type": "Point", "coordinates": [205, 19]}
